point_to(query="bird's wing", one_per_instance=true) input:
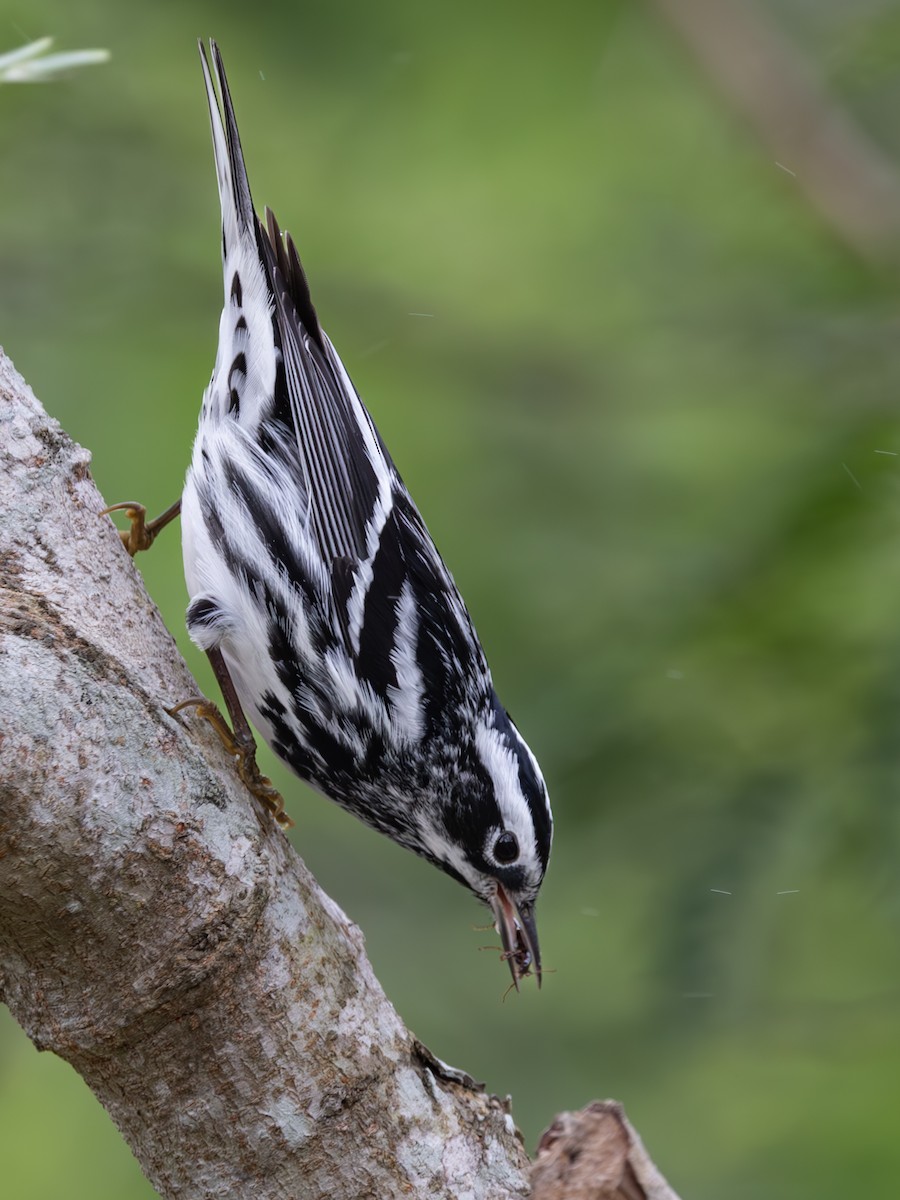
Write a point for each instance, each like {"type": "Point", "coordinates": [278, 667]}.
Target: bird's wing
{"type": "Point", "coordinates": [292, 375]}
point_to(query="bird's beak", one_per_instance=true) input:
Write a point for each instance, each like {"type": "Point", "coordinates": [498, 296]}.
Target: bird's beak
{"type": "Point", "coordinates": [518, 932]}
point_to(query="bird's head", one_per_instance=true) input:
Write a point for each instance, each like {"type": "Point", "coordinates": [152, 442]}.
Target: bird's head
{"type": "Point", "coordinates": [495, 833]}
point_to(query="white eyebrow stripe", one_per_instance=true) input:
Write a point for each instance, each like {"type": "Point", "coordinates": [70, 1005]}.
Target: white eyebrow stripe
{"type": "Point", "coordinates": [503, 768]}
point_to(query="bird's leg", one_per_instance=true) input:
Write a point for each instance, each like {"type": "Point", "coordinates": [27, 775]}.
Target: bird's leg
{"type": "Point", "coordinates": [142, 533]}
{"type": "Point", "coordinates": [237, 738]}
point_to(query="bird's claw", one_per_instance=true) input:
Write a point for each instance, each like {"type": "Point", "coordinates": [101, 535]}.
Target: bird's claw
{"type": "Point", "coordinates": [141, 533]}
{"type": "Point", "coordinates": [244, 751]}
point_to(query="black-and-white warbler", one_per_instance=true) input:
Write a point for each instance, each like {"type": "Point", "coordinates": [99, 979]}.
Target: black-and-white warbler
{"type": "Point", "coordinates": [321, 599]}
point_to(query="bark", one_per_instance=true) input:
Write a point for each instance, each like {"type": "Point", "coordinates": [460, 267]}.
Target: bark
{"type": "Point", "coordinates": [156, 930]}
{"type": "Point", "coordinates": [596, 1154]}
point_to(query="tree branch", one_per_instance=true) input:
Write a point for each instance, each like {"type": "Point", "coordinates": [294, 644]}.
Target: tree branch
{"type": "Point", "coordinates": [596, 1154]}
{"type": "Point", "coordinates": [847, 179]}
{"type": "Point", "coordinates": [156, 930]}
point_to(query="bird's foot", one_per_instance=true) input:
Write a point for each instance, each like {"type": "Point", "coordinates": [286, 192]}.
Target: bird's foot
{"type": "Point", "coordinates": [244, 751]}
{"type": "Point", "coordinates": [141, 533]}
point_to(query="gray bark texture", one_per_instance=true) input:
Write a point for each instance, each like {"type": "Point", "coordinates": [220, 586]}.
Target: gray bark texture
{"type": "Point", "coordinates": [159, 933]}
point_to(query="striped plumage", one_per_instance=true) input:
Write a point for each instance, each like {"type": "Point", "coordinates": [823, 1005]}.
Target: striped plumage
{"type": "Point", "coordinates": [311, 570]}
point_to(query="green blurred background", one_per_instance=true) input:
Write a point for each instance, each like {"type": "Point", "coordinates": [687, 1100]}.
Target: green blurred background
{"type": "Point", "coordinates": [653, 421]}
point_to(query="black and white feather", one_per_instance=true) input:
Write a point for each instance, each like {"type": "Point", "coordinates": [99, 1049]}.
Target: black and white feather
{"type": "Point", "coordinates": [310, 569]}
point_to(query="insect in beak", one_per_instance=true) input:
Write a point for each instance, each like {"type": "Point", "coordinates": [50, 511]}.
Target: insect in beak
{"type": "Point", "coordinates": [518, 932]}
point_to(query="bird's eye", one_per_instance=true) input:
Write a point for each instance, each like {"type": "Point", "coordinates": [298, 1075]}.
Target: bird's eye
{"type": "Point", "coordinates": [506, 847]}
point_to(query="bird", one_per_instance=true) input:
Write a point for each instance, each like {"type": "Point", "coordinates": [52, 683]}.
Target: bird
{"type": "Point", "coordinates": [331, 621]}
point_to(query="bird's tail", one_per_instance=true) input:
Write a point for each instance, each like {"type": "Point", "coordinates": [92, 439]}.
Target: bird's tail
{"type": "Point", "coordinates": [238, 216]}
